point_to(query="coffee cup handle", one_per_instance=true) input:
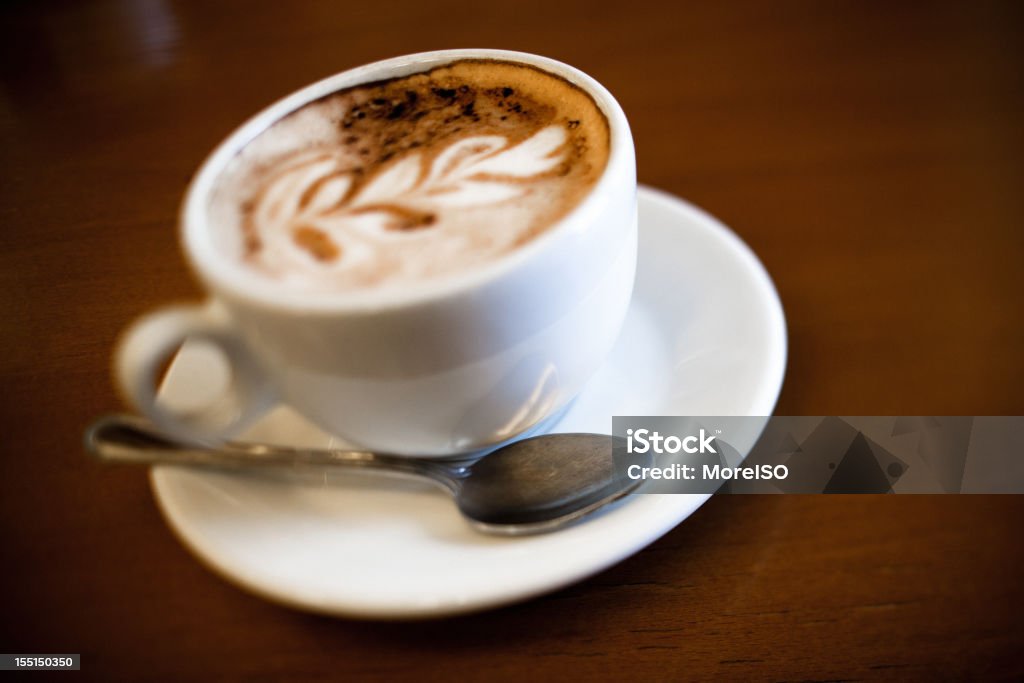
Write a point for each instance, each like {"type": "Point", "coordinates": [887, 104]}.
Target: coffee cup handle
{"type": "Point", "coordinates": [152, 340]}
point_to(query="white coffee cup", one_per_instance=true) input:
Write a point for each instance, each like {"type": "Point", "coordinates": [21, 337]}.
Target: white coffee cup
{"type": "Point", "coordinates": [446, 367]}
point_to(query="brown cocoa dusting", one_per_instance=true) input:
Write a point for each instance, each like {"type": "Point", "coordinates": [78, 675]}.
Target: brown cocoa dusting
{"type": "Point", "coordinates": [390, 118]}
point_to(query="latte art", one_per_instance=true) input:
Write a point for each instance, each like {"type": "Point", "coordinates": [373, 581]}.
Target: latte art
{"type": "Point", "coordinates": [311, 212]}
{"type": "Point", "coordinates": [413, 178]}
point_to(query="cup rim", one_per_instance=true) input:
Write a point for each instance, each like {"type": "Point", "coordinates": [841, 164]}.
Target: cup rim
{"type": "Point", "coordinates": [224, 277]}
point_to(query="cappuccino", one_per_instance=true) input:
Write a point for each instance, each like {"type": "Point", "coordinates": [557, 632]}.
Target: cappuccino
{"type": "Point", "coordinates": [412, 178]}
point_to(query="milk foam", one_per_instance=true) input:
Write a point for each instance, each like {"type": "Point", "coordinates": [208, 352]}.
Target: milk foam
{"type": "Point", "coordinates": [411, 179]}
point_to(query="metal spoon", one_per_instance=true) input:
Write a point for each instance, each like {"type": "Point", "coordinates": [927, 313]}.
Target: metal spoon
{"type": "Point", "coordinates": [532, 486]}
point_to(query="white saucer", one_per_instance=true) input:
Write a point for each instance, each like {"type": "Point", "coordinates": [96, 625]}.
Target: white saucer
{"type": "Point", "coordinates": [705, 335]}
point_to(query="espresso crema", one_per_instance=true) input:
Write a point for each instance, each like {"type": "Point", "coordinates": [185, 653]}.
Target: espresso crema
{"type": "Point", "coordinates": [410, 179]}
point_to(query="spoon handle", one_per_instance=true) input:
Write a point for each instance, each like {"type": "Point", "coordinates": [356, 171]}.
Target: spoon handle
{"type": "Point", "coordinates": [133, 440]}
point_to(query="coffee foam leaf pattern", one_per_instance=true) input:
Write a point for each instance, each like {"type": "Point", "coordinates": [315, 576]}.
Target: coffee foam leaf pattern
{"type": "Point", "coordinates": [391, 184]}
{"type": "Point", "coordinates": [462, 175]}
{"type": "Point", "coordinates": [403, 199]}
{"type": "Point", "coordinates": [532, 157]}
{"type": "Point", "coordinates": [330, 192]}
{"type": "Point", "coordinates": [473, 193]}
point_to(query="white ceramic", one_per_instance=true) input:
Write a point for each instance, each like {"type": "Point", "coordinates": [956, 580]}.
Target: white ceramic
{"type": "Point", "coordinates": [445, 367]}
{"type": "Point", "coordinates": [705, 335]}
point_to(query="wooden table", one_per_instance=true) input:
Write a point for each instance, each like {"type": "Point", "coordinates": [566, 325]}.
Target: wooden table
{"type": "Point", "coordinates": [872, 155]}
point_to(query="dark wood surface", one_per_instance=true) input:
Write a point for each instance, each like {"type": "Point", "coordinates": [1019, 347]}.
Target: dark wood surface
{"type": "Point", "coordinates": [871, 153]}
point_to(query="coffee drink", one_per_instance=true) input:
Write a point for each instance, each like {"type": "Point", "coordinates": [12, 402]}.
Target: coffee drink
{"type": "Point", "coordinates": [427, 255]}
{"type": "Point", "coordinates": [412, 178]}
